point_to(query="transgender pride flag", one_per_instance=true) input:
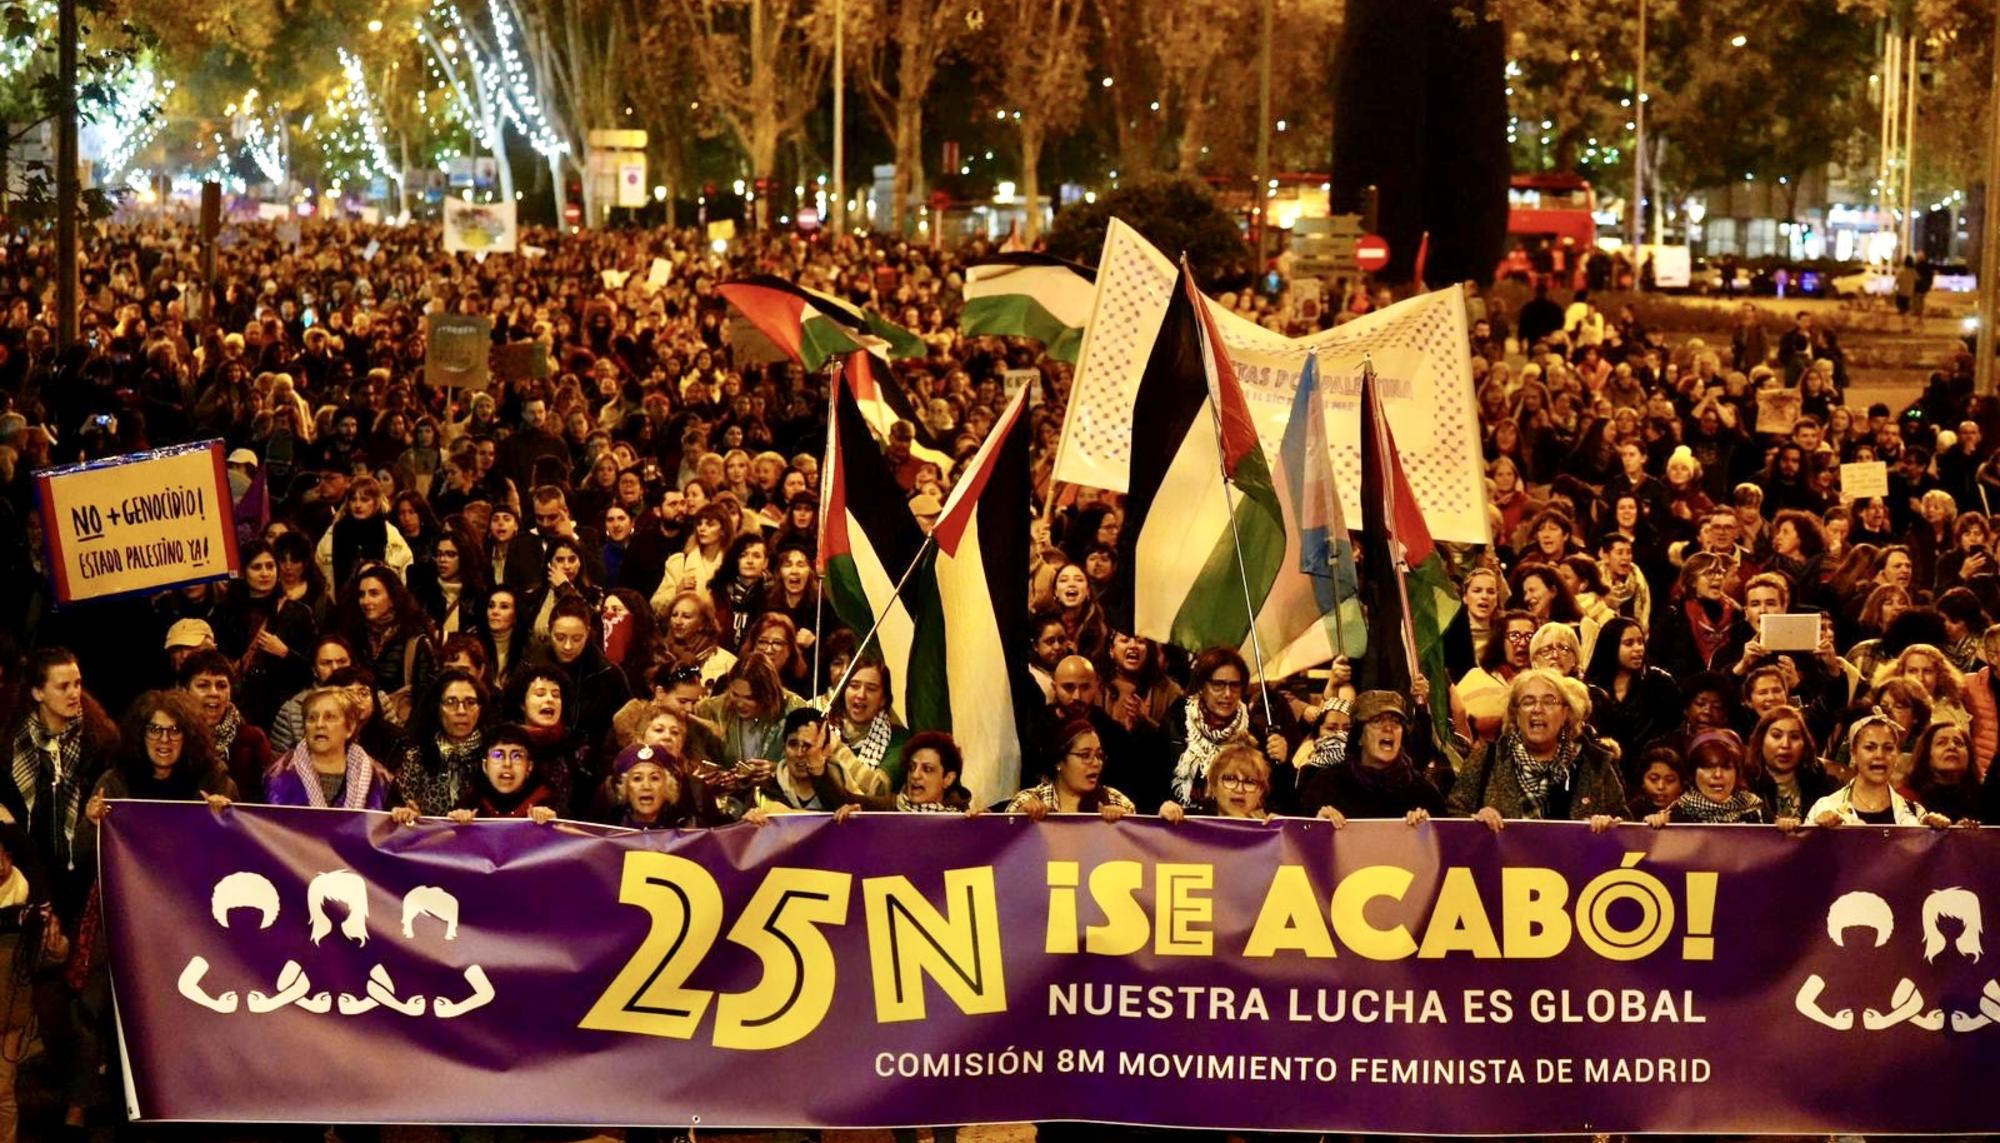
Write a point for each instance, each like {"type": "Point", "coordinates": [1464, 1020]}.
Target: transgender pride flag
{"type": "Point", "coordinates": [1326, 549]}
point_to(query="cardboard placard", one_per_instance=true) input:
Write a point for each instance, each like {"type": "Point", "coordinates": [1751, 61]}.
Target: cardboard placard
{"type": "Point", "coordinates": [1864, 480]}
{"type": "Point", "coordinates": [1789, 632]}
{"type": "Point", "coordinates": [147, 521]}
{"type": "Point", "coordinates": [521, 361]}
{"type": "Point", "coordinates": [479, 227]}
{"type": "Point", "coordinates": [1013, 381]}
{"type": "Point", "coordinates": [656, 275]}
{"type": "Point", "coordinates": [458, 350]}
{"type": "Point", "coordinates": [1777, 410]}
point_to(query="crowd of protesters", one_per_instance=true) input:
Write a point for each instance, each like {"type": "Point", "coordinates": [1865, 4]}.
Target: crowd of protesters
{"type": "Point", "coordinates": [594, 595]}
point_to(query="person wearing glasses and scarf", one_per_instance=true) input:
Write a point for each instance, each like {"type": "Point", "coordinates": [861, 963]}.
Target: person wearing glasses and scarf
{"type": "Point", "coordinates": [329, 770]}
{"type": "Point", "coordinates": [1545, 766]}
{"type": "Point", "coordinates": [1077, 784]}
{"type": "Point", "coordinates": [1237, 785]}
{"type": "Point", "coordinates": [1212, 715]}
{"type": "Point", "coordinates": [446, 745]}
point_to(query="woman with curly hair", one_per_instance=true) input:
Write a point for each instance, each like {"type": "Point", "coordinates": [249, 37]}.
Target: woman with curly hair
{"type": "Point", "coordinates": [167, 756]}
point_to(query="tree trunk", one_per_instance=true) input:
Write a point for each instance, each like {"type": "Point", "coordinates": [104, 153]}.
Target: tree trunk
{"type": "Point", "coordinates": [560, 191]}
{"type": "Point", "coordinates": [1194, 118]}
{"type": "Point", "coordinates": [907, 191]}
{"type": "Point", "coordinates": [1031, 178]}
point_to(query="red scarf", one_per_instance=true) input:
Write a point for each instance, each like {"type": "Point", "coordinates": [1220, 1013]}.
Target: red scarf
{"type": "Point", "coordinates": [1709, 635]}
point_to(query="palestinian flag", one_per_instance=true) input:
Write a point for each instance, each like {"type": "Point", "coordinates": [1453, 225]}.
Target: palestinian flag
{"type": "Point", "coordinates": [1409, 596]}
{"type": "Point", "coordinates": [1204, 535]}
{"type": "Point", "coordinates": [812, 328]}
{"type": "Point", "coordinates": [980, 569]}
{"type": "Point", "coordinates": [1314, 610]}
{"type": "Point", "coordinates": [815, 329]}
{"type": "Point", "coordinates": [1030, 295]}
{"type": "Point", "coordinates": [883, 404]}
{"type": "Point", "coordinates": [868, 543]}
{"type": "Point", "coordinates": [898, 344]}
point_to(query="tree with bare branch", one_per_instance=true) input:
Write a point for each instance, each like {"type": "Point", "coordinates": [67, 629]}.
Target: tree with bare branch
{"type": "Point", "coordinates": [1041, 64]}
{"type": "Point", "coordinates": [897, 46]}
{"type": "Point", "coordinates": [763, 64]}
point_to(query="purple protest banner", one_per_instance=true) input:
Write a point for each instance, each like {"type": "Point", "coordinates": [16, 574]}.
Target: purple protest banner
{"type": "Point", "coordinates": [315, 966]}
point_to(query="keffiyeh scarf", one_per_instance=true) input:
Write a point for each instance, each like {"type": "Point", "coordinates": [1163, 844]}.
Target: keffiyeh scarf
{"type": "Point", "coordinates": [1204, 742]}
{"type": "Point", "coordinates": [1538, 776]}
{"type": "Point", "coordinates": [225, 731]}
{"type": "Point", "coordinates": [874, 741]}
{"type": "Point", "coordinates": [354, 789]}
{"type": "Point", "coordinates": [59, 780]}
{"type": "Point", "coordinates": [905, 806]}
{"type": "Point", "coordinates": [1692, 807]}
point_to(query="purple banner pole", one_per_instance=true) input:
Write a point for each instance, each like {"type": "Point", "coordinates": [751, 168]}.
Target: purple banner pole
{"type": "Point", "coordinates": [318, 966]}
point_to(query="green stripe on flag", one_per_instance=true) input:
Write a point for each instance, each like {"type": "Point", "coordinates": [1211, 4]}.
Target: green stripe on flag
{"type": "Point", "coordinates": [1019, 315]}
{"type": "Point", "coordinates": [1214, 613]}
{"type": "Point", "coordinates": [821, 338]}
{"type": "Point", "coordinates": [903, 345]}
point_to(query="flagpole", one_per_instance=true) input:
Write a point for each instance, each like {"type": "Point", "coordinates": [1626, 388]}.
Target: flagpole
{"type": "Point", "coordinates": [1242, 572]}
{"type": "Point", "coordinates": [826, 466]}
{"type": "Point", "coordinates": [861, 648]}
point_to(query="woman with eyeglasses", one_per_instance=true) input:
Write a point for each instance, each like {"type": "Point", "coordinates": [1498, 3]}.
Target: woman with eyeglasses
{"type": "Point", "coordinates": [774, 638]}
{"type": "Point", "coordinates": [329, 769]}
{"type": "Point", "coordinates": [1483, 691]}
{"type": "Point", "coordinates": [450, 584]}
{"type": "Point", "coordinates": [509, 782]}
{"type": "Point", "coordinates": [167, 757]}
{"type": "Point", "coordinates": [1212, 715]}
{"type": "Point", "coordinates": [446, 745]}
{"type": "Point", "coordinates": [1545, 765]}
{"type": "Point", "coordinates": [1699, 617]}
{"type": "Point", "coordinates": [1077, 785]}
{"type": "Point", "coordinates": [1237, 784]}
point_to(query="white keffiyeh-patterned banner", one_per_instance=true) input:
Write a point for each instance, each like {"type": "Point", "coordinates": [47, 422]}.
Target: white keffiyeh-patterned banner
{"type": "Point", "coordinates": [1422, 359]}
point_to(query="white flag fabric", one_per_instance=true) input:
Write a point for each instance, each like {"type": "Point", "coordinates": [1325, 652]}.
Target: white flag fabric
{"type": "Point", "coordinates": [1423, 364]}
{"type": "Point", "coordinates": [479, 227]}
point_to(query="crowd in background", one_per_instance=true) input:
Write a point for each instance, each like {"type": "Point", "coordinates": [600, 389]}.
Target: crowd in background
{"type": "Point", "coordinates": [594, 595]}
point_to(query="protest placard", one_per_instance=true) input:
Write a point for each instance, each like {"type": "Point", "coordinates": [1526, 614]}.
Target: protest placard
{"type": "Point", "coordinates": [521, 361]}
{"type": "Point", "coordinates": [142, 522]}
{"type": "Point", "coordinates": [1864, 480]}
{"type": "Point", "coordinates": [1013, 381]}
{"type": "Point", "coordinates": [1777, 410]}
{"type": "Point", "coordinates": [458, 349]}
